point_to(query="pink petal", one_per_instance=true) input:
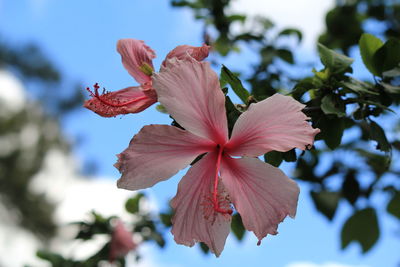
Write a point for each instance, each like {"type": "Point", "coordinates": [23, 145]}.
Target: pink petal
{"type": "Point", "coordinates": [183, 51]}
{"type": "Point", "coordinates": [156, 153]}
{"type": "Point", "coordinates": [276, 123]}
{"type": "Point", "coordinates": [194, 219]}
{"type": "Point", "coordinates": [136, 56]}
{"type": "Point", "coordinates": [121, 242]}
{"type": "Point", "coordinates": [124, 101]}
{"type": "Point", "coordinates": [262, 194]}
{"type": "Point", "coordinates": [191, 93]}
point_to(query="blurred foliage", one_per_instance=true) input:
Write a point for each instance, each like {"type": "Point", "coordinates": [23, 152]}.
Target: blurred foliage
{"type": "Point", "coordinates": [30, 133]}
{"type": "Point", "coordinates": [344, 168]}
{"type": "Point", "coordinates": [144, 227]}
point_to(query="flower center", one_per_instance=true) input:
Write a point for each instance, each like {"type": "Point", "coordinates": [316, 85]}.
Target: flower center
{"type": "Point", "coordinates": [107, 99]}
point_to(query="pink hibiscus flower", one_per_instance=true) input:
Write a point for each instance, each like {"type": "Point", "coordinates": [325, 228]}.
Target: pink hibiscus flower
{"type": "Point", "coordinates": [121, 242]}
{"type": "Point", "coordinates": [229, 175]}
{"type": "Point", "coordinates": [137, 59]}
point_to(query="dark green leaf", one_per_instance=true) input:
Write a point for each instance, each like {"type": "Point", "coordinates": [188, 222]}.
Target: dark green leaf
{"type": "Point", "coordinates": [158, 238]}
{"type": "Point", "coordinates": [332, 104]}
{"type": "Point", "coordinates": [351, 187]}
{"type": "Point", "coordinates": [331, 131]}
{"type": "Point", "coordinates": [204, 248]}
{"type": "Point", "coordinates": [369, 44]}
{"type": "Point", "coordinates": [274, 158]}
{"type": "Point", "coordinates": [248, 37]}
{"type": "Point", "coordinates": [232, 113]}
{"type": "Point", "coordinates": [336, 62]}
{"type": "Point", "coordinates": [132, 204]}
{"type": "Point", "coordinates": [388, 56]}
{"type": "Point", "coordinates": [285, 55]}
{"type": "Point", "coordinates": [362, 227]}
{"type": "Point", "coordinates": [326, 202]}
{"type": "Point", "coordinates": [291, 31]}
{"type": "Point", "coordinates": [393, 206]}
{"type": "Point", "coordinates": [377, 134]}
{"type": "Point", "coordinates": [166, 219]}
{"type": "Point", "coordinates": [290, 156]}
{"type": "Point", "coordinates": [237, 226]}
{"type": "Point", "coordinates": [235, 83]}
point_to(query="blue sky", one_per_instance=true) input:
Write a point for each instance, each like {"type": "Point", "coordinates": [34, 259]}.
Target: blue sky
{"type": "Point", "coordinates": [80, 37]}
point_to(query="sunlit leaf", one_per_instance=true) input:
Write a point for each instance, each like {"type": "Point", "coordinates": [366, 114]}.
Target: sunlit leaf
{"type": "Point", "coordinates": [369, 44]}
{"type": "Point", "coordinates": [336, 62]}
{"type": "Point", "coordinates": [235, 83]}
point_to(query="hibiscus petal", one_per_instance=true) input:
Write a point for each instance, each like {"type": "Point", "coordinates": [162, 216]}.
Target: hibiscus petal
{"type": "Point", "coordinates": [191, 93]}
{"type": "Point", "coordinates": [276, 123]}
{"type": "Point", "coordinates": [137, 59]}
{"type": "Point", "coordinates": [124, 101]}
{"type": "Point", "coordinates": [262, 194]}
{"type": "Point", "coordinates": [156, 153]}
{"type": "Point", "coordinates": [192, 221]}
{"type": "Point", "coordinates": [183, 51]}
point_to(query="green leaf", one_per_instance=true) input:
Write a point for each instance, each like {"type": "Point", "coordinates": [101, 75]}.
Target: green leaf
{"type": "Point", "coordinates": [378, 134]}
{"type": "Point", "coordinates": [291, 31]}
{"type": "Point", "coordinates": [393, 206]}
{"type": "Point", "coordinates": [235, 83]}
{"type": "Point", "coordinates": [391, 88]}
{"type": "Point", "coordinates": [290, 156]}
{"type": "Point", "coordinates": [331, 130]}
{"type": "Point", "coordinates": [351, 187]}
{"type": "Point", "coordinates": [333, 104]}
{"type": "Point", "coordinates": [369, 44]}
{"type": "Point", "coordinates": [166, 219]}
{"type": "Point", "coordinates": [326, 202]}
{"type": "Point", "coordinates": [388, 56]}
{"type": "Point", "coordinates": [158, 238]}
{"type": "Point", "coordinates": [204, 248]}
{"type": "Point", "coordinates": [236, 17]}
{"type": "Point", "coordinates": [274, 158]}
{"type": "Point", "coordinates": [392, 73]}
{"type": "Point", "coordinates": [362, 227]}
{"type": "Point", "coordinates": [359, 87]}
{"type": "Point", "coordinates": [232, 113]}
{"type": "Point", "coordinates": [336, 62]}
{"type": "Point", "coordinates": [237, 226]}
{"type": "Point", "coordinates": [285, 55]}
{"type": "Point", "coordinates": [132, 204]}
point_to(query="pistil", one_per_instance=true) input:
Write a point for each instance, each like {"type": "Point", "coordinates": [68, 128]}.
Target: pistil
{"type": "Point", "coordinates": [216, 199]}
{"type": "Point", "coordinates": [102, 98]}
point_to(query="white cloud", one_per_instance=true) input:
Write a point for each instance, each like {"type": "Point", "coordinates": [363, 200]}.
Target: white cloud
{"type": "Point", "coordinates": [306, 15]}
{"type": "Point", "coordinates": [326, 264]}
{"type": "Point", "coordinates": [12, 93]}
